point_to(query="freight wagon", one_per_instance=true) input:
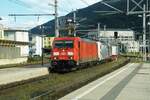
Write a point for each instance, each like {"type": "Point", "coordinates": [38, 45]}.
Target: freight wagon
{"type": "Point", "coordinates": [115, 52]}
{"type": "Point", "coordinates": [103, 51]}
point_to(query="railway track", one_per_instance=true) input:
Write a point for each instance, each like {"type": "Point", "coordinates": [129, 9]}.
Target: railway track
{"type": "Point", "coordinates": [56, 85]}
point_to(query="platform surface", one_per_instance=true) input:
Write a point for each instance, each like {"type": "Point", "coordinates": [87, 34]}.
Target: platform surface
{"type": "Point", "coordinates": [131, 82]}
{"type": "Point", "coordinates": [11, 75]}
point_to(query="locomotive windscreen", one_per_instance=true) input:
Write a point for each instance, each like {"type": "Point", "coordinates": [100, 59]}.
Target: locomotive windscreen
{"type": "Point", "coordinates": [63, 44]}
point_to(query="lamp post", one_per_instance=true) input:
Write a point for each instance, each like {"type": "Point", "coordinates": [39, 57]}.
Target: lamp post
{"type": "Point", "coordinates": [144, 34]}
{"type": "Point", "coordinates": [98, 31]}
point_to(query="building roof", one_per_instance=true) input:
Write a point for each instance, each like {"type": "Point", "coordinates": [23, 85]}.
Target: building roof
{"type": "Point", "coordinates": [10, 42]}
{"type": "Point", "coordinates": [115, 29]}
{"type": "Point", "coordinates": [15, 30]}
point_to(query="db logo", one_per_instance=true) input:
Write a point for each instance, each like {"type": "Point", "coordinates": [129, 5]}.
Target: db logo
{"type": "Point", "coordinates": [63, 53]}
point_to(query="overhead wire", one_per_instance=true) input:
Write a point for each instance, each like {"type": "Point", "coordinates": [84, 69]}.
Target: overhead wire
{"type": "Point", "coordinates": [85, 2]}
{"type": "Point", "coordinates": [24, 4]}
{"type": "Point", "coordinates": [51, 5]}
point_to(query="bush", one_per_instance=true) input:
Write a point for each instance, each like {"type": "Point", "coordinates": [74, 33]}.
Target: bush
{"type": "Point", "coordinates": [34, 59]}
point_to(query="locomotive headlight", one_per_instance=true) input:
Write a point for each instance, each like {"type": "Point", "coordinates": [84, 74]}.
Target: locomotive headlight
{"type": "Point", "coordinates": [55, 53]}
{"type": "Point", "coordinates": [55, 58]}
{"type": "Point", "coordinates": [70, 53]}
{"type": "Point", "coordinates": [71, 58]}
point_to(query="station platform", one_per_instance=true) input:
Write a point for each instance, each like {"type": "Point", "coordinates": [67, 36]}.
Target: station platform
{"type": "Point", "coordinates": [11, 75]}
{"type": "Point", "coordinates": [131, 82]}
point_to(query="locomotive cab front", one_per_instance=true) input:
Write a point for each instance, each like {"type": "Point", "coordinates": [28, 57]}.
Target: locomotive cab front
{"type": "Point", "coordinates": [63, 53]}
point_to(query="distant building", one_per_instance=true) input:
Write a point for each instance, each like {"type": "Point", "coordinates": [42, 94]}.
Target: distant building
{"type": "Point", "coordinates": [14, 46]}
{"type": "Point", "coordinates": [36, 45]}
{"type": "Point", "coordinates": [124, 36]}
{"type": "Point", "coordinates": [48, 42]}
{"type": "Point", "coordinates": [19, 36]}
{"type": "Point", "coordinates": [132, 46]}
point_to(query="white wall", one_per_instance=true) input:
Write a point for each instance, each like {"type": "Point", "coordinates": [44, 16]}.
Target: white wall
{"type": "Point", "coordinates": [120, 33]}
{"type": "Point", "coordinates": [133, 46]}
{"type": "Point", "coordinates": [37, 45]}
{"type": "Point", "coordinates": [24, 50]}
{"type": "Point", "coordinates": [9, 35]}
{"type": "Point", "coordinates": [115, 50]}
{"type": "Point", "coordinates": [22, 36]}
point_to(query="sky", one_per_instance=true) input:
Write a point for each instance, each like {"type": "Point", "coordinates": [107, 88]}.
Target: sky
{"type": "Point", "coordinates": [36, 7]}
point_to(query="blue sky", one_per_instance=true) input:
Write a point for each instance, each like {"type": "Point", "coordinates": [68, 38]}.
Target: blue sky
{"type": "Point", "coordinates": [36, 6]}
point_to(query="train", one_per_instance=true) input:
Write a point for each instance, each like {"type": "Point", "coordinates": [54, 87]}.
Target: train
{"type": "Point", "coordinates": [69, 53]}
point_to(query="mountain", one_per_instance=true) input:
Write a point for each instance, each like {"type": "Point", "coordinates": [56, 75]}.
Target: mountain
{"type": "Point", "coordinates": [89, 17]}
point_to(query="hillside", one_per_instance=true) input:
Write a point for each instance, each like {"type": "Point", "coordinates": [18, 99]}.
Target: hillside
{"type": "Point", "coordinates": [91, 18]}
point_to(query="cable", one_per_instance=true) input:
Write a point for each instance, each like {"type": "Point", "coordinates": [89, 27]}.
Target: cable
{"type": "Point", "coordinates": [21, 3]}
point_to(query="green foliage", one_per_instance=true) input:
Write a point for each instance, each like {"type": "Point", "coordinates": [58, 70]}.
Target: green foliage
{"type": "Point", "coordinates": [33, 59]}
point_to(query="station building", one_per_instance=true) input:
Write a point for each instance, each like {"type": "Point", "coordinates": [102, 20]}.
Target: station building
{"type": "Point", "coordinates": [14, 46]}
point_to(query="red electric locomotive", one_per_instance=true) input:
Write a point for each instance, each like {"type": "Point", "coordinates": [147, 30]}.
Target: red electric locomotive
{"type": "Point", "coordinates": [69, 52]}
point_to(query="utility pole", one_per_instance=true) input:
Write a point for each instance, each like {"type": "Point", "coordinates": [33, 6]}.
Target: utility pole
{"type": "Point", "coordinates": [98, 31]}
{"type": "Point", "coordinates": [74, 21]}
{"type": "Point", "coordinates": [56, 19]}
{"type": "Point", "coordinates": [144, 33]}
{"type": "Point", "coordinates": [55, 14]}
{"type": "Point", "coordinates": [104, 30]}
{"type": "Point", "coordinates": [144, 10]}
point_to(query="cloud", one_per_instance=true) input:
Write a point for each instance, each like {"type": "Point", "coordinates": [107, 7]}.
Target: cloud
{"type": "Point", "coordinates": [26, 23]}
{"type": "Point", "coordinates": [43, 6]}
{"type": "Point", "coordinates": [64, 5]}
